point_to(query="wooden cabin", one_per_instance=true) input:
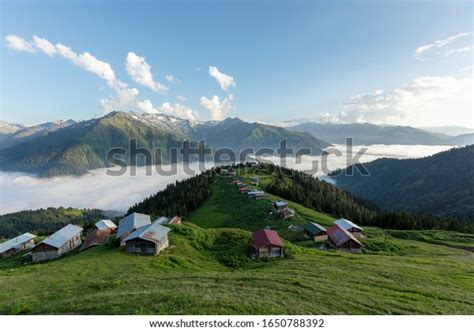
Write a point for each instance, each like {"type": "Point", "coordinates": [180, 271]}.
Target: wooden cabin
{"type": "Point", "coordinates": [286, 213]}
{"type": "Point", "coordinates": [130, 223]}
{"type": "Point", "coordinates": [340, 238]}
{"type": "Point", "coordinates": [315, 232]}
{"type": "Point", "coordinates": [148, 240]}
{"type": "Point", "coordinates": [279, 205]}
{"type": "Point", "coordinates": [255, 181]}
{"type": "Point", "coordinates": [267, 243]}
{"type": "Point", "coordinates": [98, 237]}
{"type": "Point", "coordinates": [257, 195]}
{"type": "Point", "coordinates": [17, 244]}
{"type": "Point", "coordinates": [63, 241]}
{"type": "Point", "coordinates": [106, 225]}
{"type": "Point", "coordinates": [353, 228]}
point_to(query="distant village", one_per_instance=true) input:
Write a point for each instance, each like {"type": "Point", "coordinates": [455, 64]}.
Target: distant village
{"type": "Point", "coordinates": [137, 234]}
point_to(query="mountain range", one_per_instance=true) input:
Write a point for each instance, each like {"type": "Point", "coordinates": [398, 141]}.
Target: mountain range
{"type": "Point", "coordinates": [440, 185]}
{"type": "Point", "coordinates": [369, 134]}
{"type": "Point", "coordinates": [73, 148]}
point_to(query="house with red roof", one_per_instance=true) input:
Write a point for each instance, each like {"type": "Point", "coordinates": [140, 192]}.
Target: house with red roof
{"type": "Point", "coordinates": [340, 238]}
{"type": "Point", "coordinates": [267, 243]}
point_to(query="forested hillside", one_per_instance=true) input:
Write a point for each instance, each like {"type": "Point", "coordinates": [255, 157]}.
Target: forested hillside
{"type": "Point", "coordinates": [440, 185]}
{"type": "Point", "coordinates": [45, 221]}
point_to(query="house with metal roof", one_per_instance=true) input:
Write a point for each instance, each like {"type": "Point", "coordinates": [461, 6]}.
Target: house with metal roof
{"type": "Point", "coordinates": [278, 205]}
{"type": "Point", "coordinates": [255, 194]}
{"type": "Point", "coordinates": [149, 239]}
{"type": "Point", "coordinates": [106, 224]}
{"type": "Point", "coordinates": [17, 244]}
{"type": "Point", "coordinates": [340, 238]}
{"type": "Point", "coordinates": [96, 238]}
{"type": "Point", "coordinates": [267, 243]}
{"type": "Point", "coordinates": [62, 241]}
{"type": "Point", "coordinates": [353, 228]}
{"type": "Point", "coordinates": [286, 213]}
{"type": "Point", "coordinates": [130, 223]}
{"type": "Point", "coordinates": [315, 231]}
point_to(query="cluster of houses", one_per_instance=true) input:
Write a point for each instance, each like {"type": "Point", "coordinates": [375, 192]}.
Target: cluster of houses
{"type": "Point", "coordinates": [136, 232]}
{"type": "Point", "coordinates": [343, 235]}
{"type": "Point", "coordinates": [250, 192]}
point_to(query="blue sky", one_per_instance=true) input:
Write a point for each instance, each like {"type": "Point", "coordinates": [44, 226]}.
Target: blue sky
{"type": "Point", "coordinates": [340, 61]}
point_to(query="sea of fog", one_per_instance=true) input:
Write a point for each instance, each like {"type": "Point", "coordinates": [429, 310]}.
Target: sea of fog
{"type": "Point", "coordinates": [20, 191]}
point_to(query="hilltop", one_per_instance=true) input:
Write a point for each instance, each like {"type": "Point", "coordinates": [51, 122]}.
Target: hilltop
{"type": "Point", "coordinates": [208, 270]}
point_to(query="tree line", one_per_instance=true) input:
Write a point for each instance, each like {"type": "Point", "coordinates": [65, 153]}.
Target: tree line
{"type": "Point", "coordinates": [313, 193]}
{"type": "Point", "coordinates": [179, 198]}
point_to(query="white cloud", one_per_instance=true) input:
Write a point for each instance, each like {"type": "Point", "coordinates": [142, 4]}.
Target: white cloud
{"type": "Point", "coordinates": [457, 51]}
{"type": "Point", "coordinates": [147, 107]}
{"type": "Point", "coordinates": [87, 62]}
{"type": "Point", "coordinates": [217, 107]}
{"type": "Point", "coordinates": [179, 110]}
{"type": "Point", "coordinates": [421, 51]}
{"type": "Point", "coordinates": [172, 79]}
{"type": "Point", "coordinates": [426, 101]}
{"type": "Point", "coordinates": [19, 44]}
{"type": "Point", "coordinates": [140, 71]}
{"type": "Point", "coordinates": [124, 97]}
{"type": "Point", "coordinates": [181, 98]}
{"type": "Point", "coordinates": [225, 81]}
{"type": "Point", "coordinates": [44, 45]}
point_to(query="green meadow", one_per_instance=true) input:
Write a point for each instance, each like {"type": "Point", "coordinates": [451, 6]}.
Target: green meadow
{"type": "Point", "coordinates": [208, 270]}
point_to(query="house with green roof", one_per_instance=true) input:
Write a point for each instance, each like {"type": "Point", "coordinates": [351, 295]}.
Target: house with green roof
{"type": "Point", "coordinates": [315, 231]}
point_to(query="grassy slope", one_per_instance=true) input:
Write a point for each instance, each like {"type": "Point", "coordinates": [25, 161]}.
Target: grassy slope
{"type": "Point", "coordinates": [207, 271]}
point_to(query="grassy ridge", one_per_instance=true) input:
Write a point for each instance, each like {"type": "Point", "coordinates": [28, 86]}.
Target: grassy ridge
{"type": "Point", "coordinates": [207, 270]}
{"type": "Point", "coordinates": [192, 277]}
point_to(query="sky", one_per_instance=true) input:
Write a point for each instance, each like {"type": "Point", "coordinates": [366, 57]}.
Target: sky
{"type": "Point", "coordinates": [383, 62]}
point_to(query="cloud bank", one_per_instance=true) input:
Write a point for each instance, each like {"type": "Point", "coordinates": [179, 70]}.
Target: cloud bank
{"type": "Point", "coordinates": [19, 191]}
{"type": "Point", "coordinates": [426, 101]}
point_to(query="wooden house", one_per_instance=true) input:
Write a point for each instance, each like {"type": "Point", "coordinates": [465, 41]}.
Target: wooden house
{"type": "Point", "coordinates": [255, 194]}
{"type": "Point", "coordinates": [244, 190]}
{"type": "Point", "coordinates": [286, 213]}
{"type": "Point", "coordinates": [106, 225]}
{"type": "Point", "coordinates": [353, 228]}
{"type": "Point", "coordinates": [340, 238]}
{"type": "Point", "coordinates": [97, 237]}
{"type": "Point", "coordinates": [315, 232]}
{"type": "Point", "coordinates": [267, 243]}
{"type": "Point", "coordinates": [130, 223]}
{"type": "Point", "coordinates": [148, 240]}
{"type": "Point", "coordinates": [279, 205]}
{"type": "Point", "coordinates": [62, 241]}
{"type": "Point", "coordinates": [165, 220]}
{"type": "Point", "coordinates": [255, 181]}
{"type": "Point", "coordinates": [17, 244]}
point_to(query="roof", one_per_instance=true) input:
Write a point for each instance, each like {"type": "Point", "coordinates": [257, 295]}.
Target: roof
{"type": "Point", "coordinates": [63, 235]}
{"type": "Point", "coordinates": [255, 192]}
{"type": "Point", "coordinates": [15, 242]}
{"type": "Point", "coordinates": [175, 220]}
{"type": "Point", "coordinates": [346, 224]}
{"type": "Point", "coordinates": [96, 237]}
{"type": "Point", "coordinates": [105, 224]}
{"type": "Point", "coordinates": [264, 237]}
{"type": "Point", "coordinates": [162, 220]}
{"type": "Point", "coordinates": [280, 203]}
{"type": "Point", "coordinates": [153, 232]}
{"type": "Point", "coordinates": [287, 212]}
{"type": "Point", "coordinates": [314, 228]}
{"type": "Point", "coordinates": [132, 222]}
{"type": "Point", "coordinates": [340, 235]}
